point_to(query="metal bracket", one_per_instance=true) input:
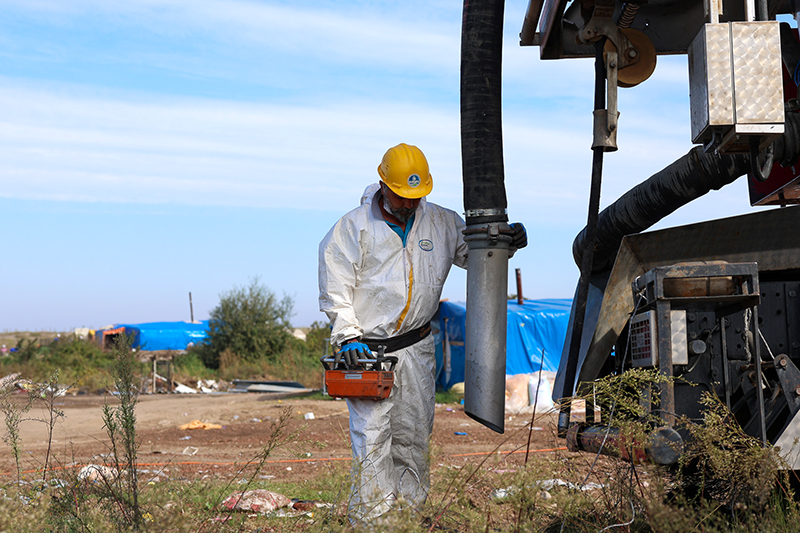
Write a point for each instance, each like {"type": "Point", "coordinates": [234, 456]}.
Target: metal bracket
{"type": "Point", "coordinates": [605, 120]}
{"type": "Point", "coordinates": [789, 377]}
{"type": "Point", "coordinates": [601, 25]}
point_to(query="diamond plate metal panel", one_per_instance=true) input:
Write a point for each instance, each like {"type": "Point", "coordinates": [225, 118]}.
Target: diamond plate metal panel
{"type": "Point", "coordinates": [758, 85]}
{"type": "Point", "coordinates": [710, 81]}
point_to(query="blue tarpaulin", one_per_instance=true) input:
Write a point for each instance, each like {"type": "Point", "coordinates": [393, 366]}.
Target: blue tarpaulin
{"type": "Point", "coordinates": [534, 338]}
{"type": "Point", "coordinates": [160, 335]}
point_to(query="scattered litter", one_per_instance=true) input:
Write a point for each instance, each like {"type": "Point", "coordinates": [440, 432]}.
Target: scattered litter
{"type": "Point", "coordinates": [97, 473]}
{"type": "Point", "coordinates": [183, 389]}
{"type": "Point", "coordinates": [267, 476]}
{"type": "Point", "coordinates": [548, 484]}
{"type": "Point", "coordinates": [449, 409]}
{"type": "Point", "coordinates": [303, 505]}
{"type": "Point", "coordinates": [255, 420]}
{"type": "Point", "coordinates": [465, 424]}
{"type": "Point", "coordinates": [544, 486]}
{"type": "Point", "coordinates": [196, 424]}
{"type": "Point", "coordinates": [289, 468]}
{"type": "Point", "coordinates": [236, 417]}
{"type": "Point", "coordinates": [208, 386]}
{"type": "Point", "coordinates": [309, 416]}
{"type": "Point", "coordinates": [187, 437]}
{"type": "Point", "coordinates": [460, 433]}
{"type": "Point", "coordinates": [257, 500]}
{"type": "Point", "coordinates": [9, 380]}
{"type": "Point", "coordinates": [502, 494]}
{"type": "Point", "coordinates": [190, 450]}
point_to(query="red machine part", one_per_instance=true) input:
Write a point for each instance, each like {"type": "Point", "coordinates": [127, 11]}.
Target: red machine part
{"type": "Point", "coordinates": [783, 185]}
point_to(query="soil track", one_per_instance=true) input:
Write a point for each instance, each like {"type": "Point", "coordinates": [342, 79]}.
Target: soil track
{"type": "Point", "coordinates": [167, 451]}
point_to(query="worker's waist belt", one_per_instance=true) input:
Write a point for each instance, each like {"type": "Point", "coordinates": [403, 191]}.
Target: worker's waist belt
{"type": "Point", "coordinates": [405, 340]}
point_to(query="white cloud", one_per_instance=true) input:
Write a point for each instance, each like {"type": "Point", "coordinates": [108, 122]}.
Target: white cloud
{"type": "Point", "coordinates": [335, 34]}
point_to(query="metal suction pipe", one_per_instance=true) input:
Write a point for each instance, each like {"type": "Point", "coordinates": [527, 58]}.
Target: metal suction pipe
{"type": "Point", "coordinates": [485, 208]}
{"type": "Point", "coordinates": [487, 314]}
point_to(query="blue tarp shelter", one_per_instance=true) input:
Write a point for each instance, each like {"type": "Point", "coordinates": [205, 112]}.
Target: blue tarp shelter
{"type": "Point", "coordinates": [534, 338]}
{"type": "Point", "coordinates": [158, 335]}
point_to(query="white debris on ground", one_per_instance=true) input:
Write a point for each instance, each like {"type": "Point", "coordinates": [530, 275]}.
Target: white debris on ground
{"type": "Point", "coordinates": [545, 485]}
{"type": "Point", "coordinates": [97, 473]}
{"type": "Point", "coordinates": [257, 501]}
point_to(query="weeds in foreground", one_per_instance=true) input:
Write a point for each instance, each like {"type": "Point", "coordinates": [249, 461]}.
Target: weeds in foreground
{"type": "Point", "coordinates": [728, 483]}
{"type": "Point", "coordinates": [120, 425]}
{"type": "Point", "coordinates": [13, 415]}
{"type": "Point", "coordinates": [47, 393]}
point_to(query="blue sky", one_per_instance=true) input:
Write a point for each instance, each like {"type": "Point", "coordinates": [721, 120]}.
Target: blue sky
{"type": "Point", "coordinates": [152, 148]}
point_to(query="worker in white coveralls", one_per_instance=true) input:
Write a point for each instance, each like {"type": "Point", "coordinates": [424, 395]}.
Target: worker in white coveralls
{"type": "Point", "coordinates": [381, 271]}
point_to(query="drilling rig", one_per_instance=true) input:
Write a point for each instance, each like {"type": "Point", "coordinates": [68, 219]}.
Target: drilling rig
{"type": "Point", "coordinates": [714, 306]}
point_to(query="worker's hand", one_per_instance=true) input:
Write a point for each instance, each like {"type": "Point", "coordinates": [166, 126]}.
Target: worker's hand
{"type": "Point", "coordinates": [352, 352]}
{"type": "Point", "coordinates": [520, 237]}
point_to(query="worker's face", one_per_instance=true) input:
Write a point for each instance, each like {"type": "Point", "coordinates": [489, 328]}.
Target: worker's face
{"type": "Point", "coordinates": [401, 208]}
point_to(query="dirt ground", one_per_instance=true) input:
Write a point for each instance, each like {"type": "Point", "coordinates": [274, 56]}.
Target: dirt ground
{"type": "Point", "coordinates": [246, 418]}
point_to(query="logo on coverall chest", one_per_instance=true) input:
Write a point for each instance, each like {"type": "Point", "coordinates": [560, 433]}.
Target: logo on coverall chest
{"type": "Point", "coordinates": [426, 245]}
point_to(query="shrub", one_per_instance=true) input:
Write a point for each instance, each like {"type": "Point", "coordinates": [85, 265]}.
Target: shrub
{"type": "Point", "coordinates": [250, 322]}
{"type": "Point", "coordinates": [317, 337]}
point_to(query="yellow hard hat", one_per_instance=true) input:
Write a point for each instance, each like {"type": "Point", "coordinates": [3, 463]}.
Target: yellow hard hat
{"type": "Point", "coordinates": [405, 170]}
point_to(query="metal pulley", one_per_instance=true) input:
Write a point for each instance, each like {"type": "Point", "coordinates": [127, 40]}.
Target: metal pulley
{"type": "Point", "coordinates": [641, 55]}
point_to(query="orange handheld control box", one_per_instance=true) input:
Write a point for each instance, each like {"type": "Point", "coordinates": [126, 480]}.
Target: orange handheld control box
{"type": "Point", "coordinates": [366, 384]}
{"type": "Point", "coordinates": [368, 379]}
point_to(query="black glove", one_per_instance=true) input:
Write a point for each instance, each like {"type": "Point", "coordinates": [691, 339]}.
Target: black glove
{"type": "Point", "coordinates": [520, 237]}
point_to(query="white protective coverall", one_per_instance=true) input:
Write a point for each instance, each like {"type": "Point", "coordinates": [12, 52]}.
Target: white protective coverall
{"type": "Point", "coordinates": [373, 286]}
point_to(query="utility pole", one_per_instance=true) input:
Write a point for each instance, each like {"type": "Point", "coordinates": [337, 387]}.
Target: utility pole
{"type": "Point", "coordinates": [191, 309]}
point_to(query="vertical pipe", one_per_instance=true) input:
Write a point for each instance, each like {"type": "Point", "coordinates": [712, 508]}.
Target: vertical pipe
{"type": "Point", "coordinates": [520, 299]}
{"type": "Point", "coordinates": [485, 342]}
{"type": "Point", "coordinates": [587, 257]}
{"type": "Point", "coordinates": [485, 205]}
{"type": "Point", "coordinates": [759, 380]}
{"type": "Point", "coordinates": [191, 309]}
{"type": "Point", "coordinates": [762, 10]}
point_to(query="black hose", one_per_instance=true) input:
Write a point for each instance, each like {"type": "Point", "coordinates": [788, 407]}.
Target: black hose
{"type": "Point", "coordinates": [686, 179]}
{"type": "Point", "coordinates": [579, 306]}
{"type": "Point", "coordinates": [762, 10]}
{"type": "Point", "coordinates": [481, 112]}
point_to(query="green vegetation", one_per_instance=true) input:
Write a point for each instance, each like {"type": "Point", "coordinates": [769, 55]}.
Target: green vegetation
{"type": "Point", "coordinates": [249, 338]}
{"type": "Point", "coordinates": [249, 323]}
{"type": "Point", "coordinates": [725, 482]}
{"type": "Point", "coordinates": [81, 363]}
{"type": "Point", "coordinates": [740, 491]}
